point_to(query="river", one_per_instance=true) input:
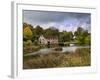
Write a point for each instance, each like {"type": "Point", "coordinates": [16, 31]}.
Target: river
{"type": "Point", "coordinates": [50, 50]}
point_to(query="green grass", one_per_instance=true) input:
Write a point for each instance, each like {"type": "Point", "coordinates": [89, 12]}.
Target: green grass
{"type": "Point", "coordinates": [30, 49]}
{"type": "Point", "coordinates": [81, 57]}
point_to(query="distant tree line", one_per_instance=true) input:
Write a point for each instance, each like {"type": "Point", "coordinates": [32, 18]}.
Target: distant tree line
{"type": "Point", "coordinates": [81, 36]}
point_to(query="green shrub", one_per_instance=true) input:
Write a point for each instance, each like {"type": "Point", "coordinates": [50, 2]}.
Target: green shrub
{"type": "Point", "coordinates": [27, 43]}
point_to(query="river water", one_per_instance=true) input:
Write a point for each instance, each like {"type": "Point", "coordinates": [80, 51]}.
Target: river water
{"type": "Point", "coordinates": [64, 49]}
{"type": "Point", "coordinates": [73, 48]}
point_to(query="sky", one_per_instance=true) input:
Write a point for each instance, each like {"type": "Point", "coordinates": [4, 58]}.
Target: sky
{"type": "Point", "coordinates": [68, 21]}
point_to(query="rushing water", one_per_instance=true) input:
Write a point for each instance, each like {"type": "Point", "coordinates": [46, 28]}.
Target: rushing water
{"type": "Point", "coordinates": [64, 49]}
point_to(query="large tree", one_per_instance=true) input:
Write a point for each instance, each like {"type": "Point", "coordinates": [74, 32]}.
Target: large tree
{"type": "Point", "coordinates": [51, 32]}
{"type": "Point", "coordinates": [38, 30]}
{"type": "Point", "coordinates": [65, 36]}
{"type": "Point", "coordinates": [82, 36]}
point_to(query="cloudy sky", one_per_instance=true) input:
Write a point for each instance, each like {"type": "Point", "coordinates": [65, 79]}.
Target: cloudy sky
{"type": "Point", "coordinates": [62, 20]}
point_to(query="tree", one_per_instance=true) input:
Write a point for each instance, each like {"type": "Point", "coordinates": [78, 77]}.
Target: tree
{"type": "Point", "coordinates": [65, 36]}
{"type": "Point", "coordinates": [70, 36]}
{"type": "Point", "coordinates": [82, 36]}
{"type": "Point", "coordinates": [78, 32]}
{"type": "Point", "coordinates": [38, 30]}
{"type": "Point", "coordinates": [51, 32]}
{"type": "Point", "coordinates": [27, 33]}
{"type": "Point", "coordinates": [36, 33]}
{"type": "Point", "coordinates": [88, 40]}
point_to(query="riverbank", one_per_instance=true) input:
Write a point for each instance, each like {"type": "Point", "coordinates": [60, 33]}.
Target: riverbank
{"type": "Point", "coordinates": [81, 57]}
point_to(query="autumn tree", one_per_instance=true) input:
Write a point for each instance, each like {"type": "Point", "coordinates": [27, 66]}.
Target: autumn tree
{"type": "Point", "coordinates": [27, 33]}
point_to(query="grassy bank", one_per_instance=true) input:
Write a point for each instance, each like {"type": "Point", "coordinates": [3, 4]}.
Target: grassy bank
{"type": "Point", "coordinates": [81, 57]}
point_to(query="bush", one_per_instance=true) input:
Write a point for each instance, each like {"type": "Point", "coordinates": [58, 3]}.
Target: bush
{"type": "Point", "coordinates": [27, 43]}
